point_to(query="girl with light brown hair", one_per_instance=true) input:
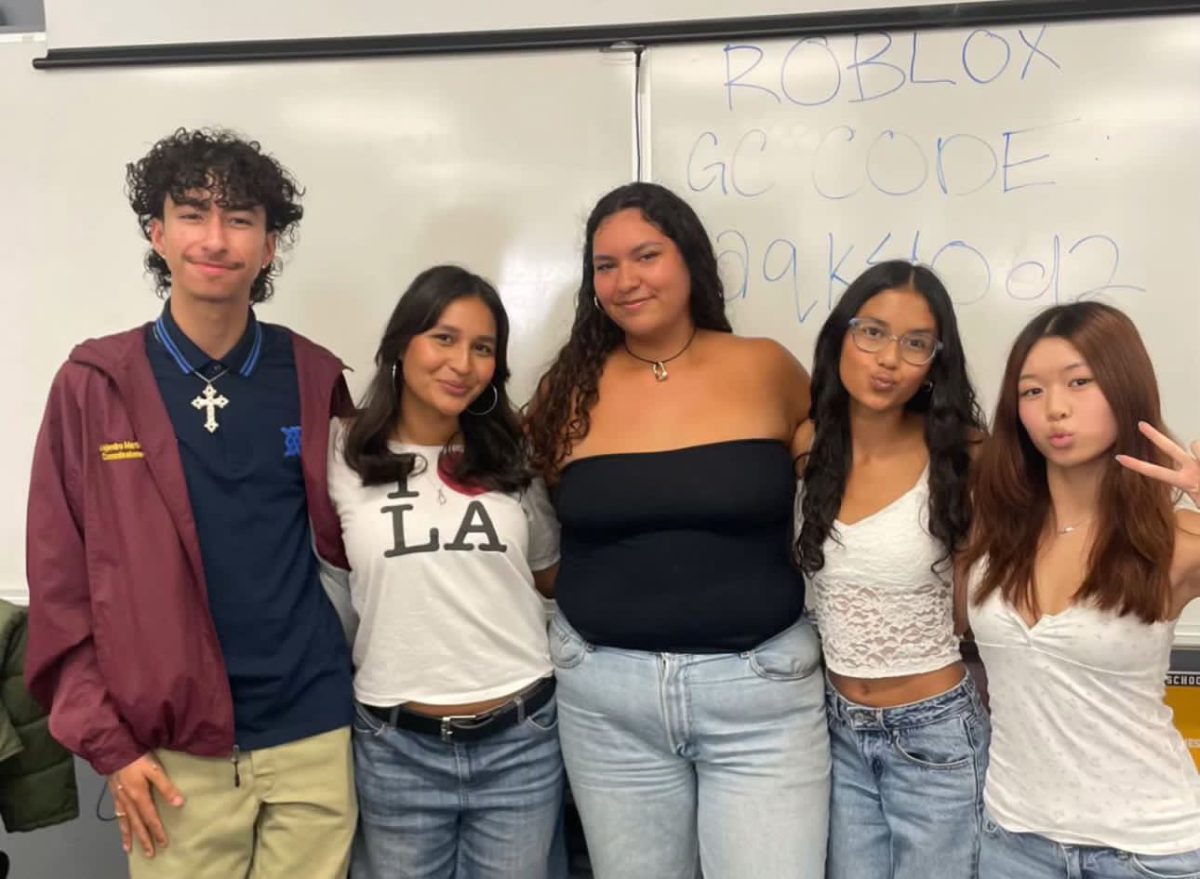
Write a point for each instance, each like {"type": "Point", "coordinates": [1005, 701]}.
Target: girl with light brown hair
{"type": "Point", "coordinates": [1077, 571]}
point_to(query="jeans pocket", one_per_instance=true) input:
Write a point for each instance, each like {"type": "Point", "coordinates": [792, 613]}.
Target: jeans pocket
{"type": "Point", "coordinates": [942, 745]}
{"type": "Point", "coordinates": [792, 655]}
{"type": "Point", "coordinates": [545, 718]}
{"type": "Point", "coordinates": [567, 649]}
{"type": "Point", "coordinates": [1185, 865]}
{"type": "Point", "coordinates": [365, 723]}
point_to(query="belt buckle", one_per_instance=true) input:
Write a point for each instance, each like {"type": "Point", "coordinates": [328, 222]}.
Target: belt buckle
{"type": "Point", "coordinates": [447, 728]}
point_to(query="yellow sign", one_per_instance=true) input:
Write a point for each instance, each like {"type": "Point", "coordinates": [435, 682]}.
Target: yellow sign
{"type": "Point", "coordinates": [1183, 696]}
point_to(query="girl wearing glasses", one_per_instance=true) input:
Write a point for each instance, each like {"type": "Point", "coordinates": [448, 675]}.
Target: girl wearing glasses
{"type": "Point", "coordinates": [883, 509]}
{"type": "Point", "coordinates": [1081, 569]}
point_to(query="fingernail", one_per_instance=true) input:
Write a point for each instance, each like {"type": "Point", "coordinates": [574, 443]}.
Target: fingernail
{"type": "Point", "coordinates": [178, 801]}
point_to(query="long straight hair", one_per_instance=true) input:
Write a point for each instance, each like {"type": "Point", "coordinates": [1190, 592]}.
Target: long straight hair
{"type": "Point", "coordinates": [493, 444]}
{"type": "Point", "coordinates": [1128, 568]}
{"type": "Point", "coordinates": [947, 401]}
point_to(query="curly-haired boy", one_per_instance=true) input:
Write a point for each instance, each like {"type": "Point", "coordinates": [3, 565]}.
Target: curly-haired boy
{"type": "Point", "coordinates": [178, 629]}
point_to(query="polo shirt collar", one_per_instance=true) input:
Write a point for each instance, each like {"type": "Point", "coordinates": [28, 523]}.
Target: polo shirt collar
{"type": "Point", "coordinates": [242, 358]}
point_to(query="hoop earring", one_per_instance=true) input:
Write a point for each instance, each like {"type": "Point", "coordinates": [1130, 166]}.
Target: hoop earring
{"type": "Point", "coordinates": [927, 387]}
{"type": "Point", "coordinates": [495, 400]}
{"type": "Point", "coordinates": [394, 388]}
{"type": "Point", "coordinates": [596, 302]}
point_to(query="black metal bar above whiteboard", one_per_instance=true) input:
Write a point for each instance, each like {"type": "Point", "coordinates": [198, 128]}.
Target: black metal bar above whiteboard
{"type": "Point", "coordinates": [917, 17]}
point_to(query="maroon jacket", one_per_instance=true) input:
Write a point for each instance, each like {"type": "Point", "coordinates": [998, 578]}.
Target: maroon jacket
{"type": "Point", "coordinates": [122, 646]}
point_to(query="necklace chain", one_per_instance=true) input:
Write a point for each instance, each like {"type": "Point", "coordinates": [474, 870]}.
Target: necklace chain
{"type": "Point", "coordinates": [1070, 529]}
{"type": "Point", "coordinates": [659, 367]}
{"type": "Point", "coordinates": [207, 380]}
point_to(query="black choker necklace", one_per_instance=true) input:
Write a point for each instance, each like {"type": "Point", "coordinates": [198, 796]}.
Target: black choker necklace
{"type": "Point", "coordinates": [659, 367]}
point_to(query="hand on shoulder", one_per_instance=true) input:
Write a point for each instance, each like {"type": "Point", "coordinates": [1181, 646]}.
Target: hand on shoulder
{"type": "Point", "coordinates": [1187, 553]}
{"type": "Point", "coordinates": [975, 440]}
{"type": "Point", "coordinates": [802, 442]}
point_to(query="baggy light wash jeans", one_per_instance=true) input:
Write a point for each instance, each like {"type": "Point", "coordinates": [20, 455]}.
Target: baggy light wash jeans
{"type": "Point", "coordinates": [907, 798]}
{"type": "Point", "coordinates": [678, 760]}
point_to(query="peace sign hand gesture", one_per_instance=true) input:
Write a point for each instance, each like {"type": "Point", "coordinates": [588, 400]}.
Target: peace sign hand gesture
{"type": "Point", "coordinates": [1185, 476]}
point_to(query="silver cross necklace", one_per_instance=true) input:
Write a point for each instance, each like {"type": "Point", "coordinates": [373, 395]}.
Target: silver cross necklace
{"type": "Point", "coordinates": [210, 400]}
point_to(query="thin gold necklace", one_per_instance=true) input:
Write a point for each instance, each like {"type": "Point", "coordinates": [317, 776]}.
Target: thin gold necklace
{"type": "Point", "coordinates": [1071, 529]}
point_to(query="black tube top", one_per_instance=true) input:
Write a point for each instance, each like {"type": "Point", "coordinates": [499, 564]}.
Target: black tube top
{"type": "Point", "coordinates": [686, 551]}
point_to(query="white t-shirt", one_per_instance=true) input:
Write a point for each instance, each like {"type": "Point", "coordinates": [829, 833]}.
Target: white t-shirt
{"type": "Point", "coordinates": [442, 583]}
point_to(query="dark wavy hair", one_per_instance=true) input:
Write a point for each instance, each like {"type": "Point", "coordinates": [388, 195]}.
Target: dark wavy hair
{"type": "Point", "coordinates": [1129, 564]}
{"type": "Point", "coordinates": [569, 389]}
{"type": "Point", "coordinates": [951, 412]}
{"type": "Point", "coordinates": [493, 444]}
{"type": "Point", "coordinates": [237, 174]}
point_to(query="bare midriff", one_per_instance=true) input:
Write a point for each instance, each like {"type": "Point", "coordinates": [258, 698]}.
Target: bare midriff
{"type": "Point", "coordinates": [899, 690]}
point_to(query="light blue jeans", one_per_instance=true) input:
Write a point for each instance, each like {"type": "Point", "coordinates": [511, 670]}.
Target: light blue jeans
{"type": "Point", "coordinates": [429, 809]}
{"type": "Point", "coordinates": [685, 760]}
{"type": "Point", "coordinates": [907, 799]}
{"type": "Point", "coordinates": [1006, 855]}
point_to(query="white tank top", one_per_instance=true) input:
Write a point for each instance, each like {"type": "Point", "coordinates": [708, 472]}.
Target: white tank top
{"type": "Point", "coordinates": [881, 609]}
{"type": "Point", "coordinates": [1083, 748]}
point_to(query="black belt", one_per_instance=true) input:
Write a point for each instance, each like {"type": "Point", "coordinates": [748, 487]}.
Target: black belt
{"type": "Point", "coordinates": [469, 727]}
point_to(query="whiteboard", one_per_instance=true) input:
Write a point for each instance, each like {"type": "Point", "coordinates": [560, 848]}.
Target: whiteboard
{"type": "Point", "coordinates": [1028, 165]}
{"type": "Point", "coordinates": [493, 162]}
{"type": "Point", "coordinates": [79, 23]}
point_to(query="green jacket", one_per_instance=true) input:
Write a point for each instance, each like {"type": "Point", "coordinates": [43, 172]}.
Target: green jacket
{"type": "Point", "coordinates": [37, 774]}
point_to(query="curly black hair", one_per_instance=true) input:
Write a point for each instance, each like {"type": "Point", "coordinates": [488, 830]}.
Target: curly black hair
{"type": "Point", "coordinates": [559, 415]}
{"type": "Point", "coordinates": [952, 418]}
{"type": "Point", "coordinates": [235, 171]}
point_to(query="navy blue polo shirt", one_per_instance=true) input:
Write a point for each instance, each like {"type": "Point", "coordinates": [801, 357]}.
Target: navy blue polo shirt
{"type": "Point", "coordinates": [289, 665]}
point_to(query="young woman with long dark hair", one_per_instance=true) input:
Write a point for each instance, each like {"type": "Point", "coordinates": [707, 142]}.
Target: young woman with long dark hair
{"type": "Point", "coordinates": [884, 508]}
{"type": "Point", "coordinates": [456, 751]}
{"type": "Point", "coordinates": [1080, 568]}
{"type": "Point", "coordinates": [692, 722]}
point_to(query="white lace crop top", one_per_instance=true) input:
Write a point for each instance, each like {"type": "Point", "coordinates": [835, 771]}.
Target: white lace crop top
{"type": "Point", "coordinates": [881, 609]}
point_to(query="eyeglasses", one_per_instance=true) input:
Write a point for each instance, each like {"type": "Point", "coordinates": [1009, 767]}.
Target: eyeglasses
{"type": "Point", "coordinates": [871, 336]}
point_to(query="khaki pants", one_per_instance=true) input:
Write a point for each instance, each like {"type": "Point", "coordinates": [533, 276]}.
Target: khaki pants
{"type": "Point", "coordinates": [292, 817]}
